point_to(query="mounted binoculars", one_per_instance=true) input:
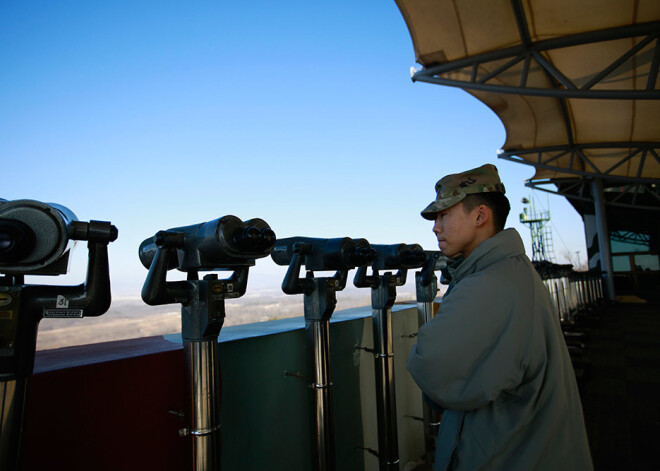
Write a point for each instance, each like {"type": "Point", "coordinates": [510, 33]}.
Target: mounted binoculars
{"type": "Point", "coordinates": [324, 254]}
{"type": "Point", "coordinates": [398, 256]}
{"type": "Point", "coordinates": [37, 238]}
{"type": "Point", "coordinates": [226, 243]}
{"type": "Point", "coordinates": [223, 243]}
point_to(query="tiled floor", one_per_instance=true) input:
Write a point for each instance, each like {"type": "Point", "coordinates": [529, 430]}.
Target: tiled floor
{"type": "Point", "coordinates": [621, 389]}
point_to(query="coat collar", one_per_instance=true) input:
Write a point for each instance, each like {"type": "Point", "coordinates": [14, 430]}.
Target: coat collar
{"type": "Point", "coordinates": [504, 244]}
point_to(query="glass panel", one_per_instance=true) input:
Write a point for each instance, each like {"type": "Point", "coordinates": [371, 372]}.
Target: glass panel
{"type": "Point", "coordinates": [621, 263]}
{"type": "Point", "coordinates": [647, 262]}
{"type": "Point", "coordinates": [624, 241]}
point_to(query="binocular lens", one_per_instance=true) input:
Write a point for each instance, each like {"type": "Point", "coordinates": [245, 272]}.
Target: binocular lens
{"type": "Point", "coordinates": [253, 239]}
{"type": "Point", "coordinates": [6, 241]}
{"type": "Point", "coordinates": [363, 255]}
{"type": "Point", "coordinates": [268, 236]}
{"type": "Point", "coordinates": [17, 240]}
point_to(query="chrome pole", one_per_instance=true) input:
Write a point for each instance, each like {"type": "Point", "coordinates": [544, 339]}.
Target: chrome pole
{"type": "Point", "coordinates": [567, 296]}
{"type": "Point", "coordinates": [555, 300]}
{"type": "Point", "coordinates": [388, 443]}
{"type": "Point", "coordinates": [203, 372]}
{"type": "Point", "coordinates": [549, 285]}
{"type": "Point", "coordinates": [13, 396]}
{"type": "Point", "coordinates": [424, 312]}
{"type": "Point", "coordinates": [430, 417]}
{"type": "Point", "coordinates": [587, 291]}
{"type": "Point", "coordinates": [563, 301]}
{"type": "Point", "coordinates": [604, 250]}
{"type": "Point", "coordinates": [580, 293]}
{"type": "Point", "coordinates": [571, 296]}
{"type": "Point", "coordinates": [426, 284]}
{"type": "Point", "coordinates": [318, 339]}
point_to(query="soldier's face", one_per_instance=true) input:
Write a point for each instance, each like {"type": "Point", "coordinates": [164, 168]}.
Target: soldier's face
{"type": "Point", "coordinates": [455, 230]}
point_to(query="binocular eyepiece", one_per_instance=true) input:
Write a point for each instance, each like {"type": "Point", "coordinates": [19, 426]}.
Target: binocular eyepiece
{"type": "Point", "coordinates": [224, 243]}
{"type": "Point", "coordinates": [398, 256]}
{"type": "Point", "coordinates": [36, 238]}
{"type": "Point", "coordinates": [324, 254]}
{"type": "Point", "coordinates": [17, 240]}
{"type": "Point", "coordinates": [251, 238]}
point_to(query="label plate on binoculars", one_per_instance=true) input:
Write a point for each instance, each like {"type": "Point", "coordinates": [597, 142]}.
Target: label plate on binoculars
{"type": "Point", "coordinates": [62, 313]}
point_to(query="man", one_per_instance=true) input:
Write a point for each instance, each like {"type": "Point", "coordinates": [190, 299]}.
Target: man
{"type": "Point", "coordinates": [493, 358]}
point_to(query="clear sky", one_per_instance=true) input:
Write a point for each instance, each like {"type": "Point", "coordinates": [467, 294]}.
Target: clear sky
{"type": "Point", "coordinates": [157, 114]}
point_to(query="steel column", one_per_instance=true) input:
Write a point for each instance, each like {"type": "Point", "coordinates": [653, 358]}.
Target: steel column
{"type": "Point", "coordinates": [603, 238]}
{"type": "Point", "coordinates": [388, 441]}
{"type": "Point", "coordinates": [204, 381]}
{"type": "Point", "coordinates": [318, 341]}
{"type": "Point", "coordinates": [426, 284]}
{"type": "Point", "coordinates": [430, 417]}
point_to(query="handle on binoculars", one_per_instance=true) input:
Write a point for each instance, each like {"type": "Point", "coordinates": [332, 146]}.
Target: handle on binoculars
{"type": "Point", "coordinates": [91, 297]}
{"type": "Point", "coordinates": [239, 281]}
{"type": "Point", "coordinates": [292, 283]}
{"type": "Point", "coordinates": [401, 276]}
{"type": "Point", "coordinates": [362, 280]}
{"type": "Point", "coordinates": [341, 276]}
{"type": "Point", "coordinates": [156, 290]}
{"type": "Point", "coordinates": [93, 231]}
{"type": "Point", "coordinates": [428, 270]}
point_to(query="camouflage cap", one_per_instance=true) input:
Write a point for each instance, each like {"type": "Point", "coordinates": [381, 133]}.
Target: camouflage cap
{"type": "Point", "coordinates": [453, 188]}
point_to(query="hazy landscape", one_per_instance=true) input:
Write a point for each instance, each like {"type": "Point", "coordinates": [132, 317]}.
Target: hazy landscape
{"type": "Point", "coordinates": [129, 317]}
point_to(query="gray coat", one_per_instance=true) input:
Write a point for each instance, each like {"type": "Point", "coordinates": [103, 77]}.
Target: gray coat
{"type": "Point", "coordinates": [495, 360]}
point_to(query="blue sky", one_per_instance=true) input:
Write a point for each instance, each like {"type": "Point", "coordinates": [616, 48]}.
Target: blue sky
{"type": "Point", "coordinates": [154, 115]}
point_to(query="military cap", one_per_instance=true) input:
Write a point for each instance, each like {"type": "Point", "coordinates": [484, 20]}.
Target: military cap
{"type": "Point", "coordinates": [453, 188]}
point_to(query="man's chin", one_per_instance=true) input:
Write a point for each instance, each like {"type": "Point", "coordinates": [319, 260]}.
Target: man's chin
{"type": "Point", "coordinates": [447, 252]}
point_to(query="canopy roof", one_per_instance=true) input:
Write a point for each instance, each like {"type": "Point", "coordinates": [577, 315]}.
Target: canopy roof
{"type": "Point", "coordinates": [575, 83]}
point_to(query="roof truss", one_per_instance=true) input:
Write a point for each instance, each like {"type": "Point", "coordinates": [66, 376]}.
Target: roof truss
{"type": "Point", "coordinates": [531, 55]}
{"type": "Point", "coordinates": [580, 163]}
{"type": "Point", "coordinates": [626, 195]}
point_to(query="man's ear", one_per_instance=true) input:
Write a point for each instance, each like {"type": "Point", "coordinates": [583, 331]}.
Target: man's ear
{"type": "Point", "coordinates": [483, 215]}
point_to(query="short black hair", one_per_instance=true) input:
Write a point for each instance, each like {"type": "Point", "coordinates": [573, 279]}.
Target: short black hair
{"type": "Point", "coordinates": [496, 201]}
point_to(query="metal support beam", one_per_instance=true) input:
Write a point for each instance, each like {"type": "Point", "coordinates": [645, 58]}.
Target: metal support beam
{"type": "Point", "coordinates": [580, 185]}
{"type": "Point", "coordinates": [603, 238]}
{"type": "Point", "coordinates": [453, 73]}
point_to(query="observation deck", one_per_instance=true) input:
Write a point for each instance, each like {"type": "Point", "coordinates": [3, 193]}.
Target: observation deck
{"type": "Point", "coordinates": [118, 405]}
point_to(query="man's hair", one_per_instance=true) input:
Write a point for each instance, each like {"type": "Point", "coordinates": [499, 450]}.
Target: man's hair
{"type": "Point", "coordinates": [496, 201]}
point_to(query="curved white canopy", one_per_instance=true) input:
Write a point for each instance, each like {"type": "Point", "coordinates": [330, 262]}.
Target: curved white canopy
{"type": "Point", "coordinates": [574, 83]}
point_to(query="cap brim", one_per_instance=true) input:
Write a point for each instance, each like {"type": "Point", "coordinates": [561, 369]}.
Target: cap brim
{"type": "Point", "coordinates": [440, 205]}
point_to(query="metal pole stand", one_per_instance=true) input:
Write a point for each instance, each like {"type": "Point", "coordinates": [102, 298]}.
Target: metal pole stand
{"type": "Point", "coordinates": [426, 284]}
{"type": "Point", "coordinates": [21, 309]}
{"type": "Point", "coordinates": [383, 295]}
{"type": "Point", "coordinates": [319, 303]}
{"type": "Point", "coordinates": [222, 244]}
{"type": "Point", "coordinates": [202, 317]}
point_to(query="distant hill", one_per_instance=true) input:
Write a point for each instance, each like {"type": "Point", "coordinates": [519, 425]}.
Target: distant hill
{"type": "Point", "coordinates": [129, 317]}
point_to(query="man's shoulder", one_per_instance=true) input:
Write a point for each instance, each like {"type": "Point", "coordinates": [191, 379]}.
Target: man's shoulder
{"type": "Point", "coordinates": [507, 277]}
{"type": "Point", "coordinates": [504, 269]}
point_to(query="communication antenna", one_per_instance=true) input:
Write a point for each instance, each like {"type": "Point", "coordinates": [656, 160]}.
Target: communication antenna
{"type": "Point", "coordinates": [539, 226]}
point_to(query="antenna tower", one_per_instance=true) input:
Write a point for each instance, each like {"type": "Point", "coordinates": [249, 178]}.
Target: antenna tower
{"type": "Point", "coordinates": [538, 222]}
